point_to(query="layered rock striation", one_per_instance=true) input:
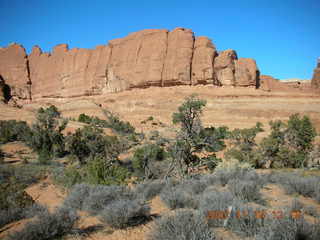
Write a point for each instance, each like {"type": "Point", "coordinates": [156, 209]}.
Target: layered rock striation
{"type": "Point", "coordinates": [142, 59]}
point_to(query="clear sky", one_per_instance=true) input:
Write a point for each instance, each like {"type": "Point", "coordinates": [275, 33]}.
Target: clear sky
{"type": "Point", "coordinates": [282, 35]}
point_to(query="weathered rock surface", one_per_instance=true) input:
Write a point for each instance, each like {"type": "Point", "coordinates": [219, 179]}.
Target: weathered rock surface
{"type": "Point", "coordinates": [14, 70]}
{"type": "Point", "coordinates": [202, 62]}
{"type": "Point", "coordinates": [137, 60]}
{"type": "Point", "coordinates": [177, 65]}
{"type": "Point", "coordinates": [246, 72]}
{"type": "Point", "coordinates": [146, 58]}
{"type": "Point", "coordinates": [68, 73]}
{"type": "Point", "coordinates": [224, 67]}
{"type": "Point", "coordinates": [2, 97]}
{"type": "Point", "coordinates": [315, 82]}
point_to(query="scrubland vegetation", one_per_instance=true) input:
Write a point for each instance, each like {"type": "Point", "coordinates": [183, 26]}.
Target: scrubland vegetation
{"type": "Point", "coordinates": [183, 171]}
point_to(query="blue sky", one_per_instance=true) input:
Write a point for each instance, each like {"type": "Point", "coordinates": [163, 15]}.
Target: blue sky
{"type": "Point", "coordinates": [282, 35]}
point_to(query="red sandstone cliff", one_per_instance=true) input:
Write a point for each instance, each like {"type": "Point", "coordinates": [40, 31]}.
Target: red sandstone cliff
{"type": "Point", "coordinates": [142, 59]}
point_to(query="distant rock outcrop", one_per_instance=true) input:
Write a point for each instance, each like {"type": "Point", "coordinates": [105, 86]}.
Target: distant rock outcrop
{"type": "Point", "coordinates": [141, 59]}
{"type": "Point", "coordinates": [315, 82]}
{"type": "Point", "coordinates": [14, 71]}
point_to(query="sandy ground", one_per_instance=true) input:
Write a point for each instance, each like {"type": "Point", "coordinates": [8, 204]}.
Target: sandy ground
{"type": "Point", "coordinates": [233, 107]}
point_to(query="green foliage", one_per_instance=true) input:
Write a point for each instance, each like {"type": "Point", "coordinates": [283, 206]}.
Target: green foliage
{"type": "Point", "coordinates": [212, 139]}
{"type": "Point", "coordinates": [194, 138]}
{"type": "Point", "coordinates": [13, 199]}
{"type": "Point", "coordinates": [189, 115]}
{"type": "Point", "coordinates": [244, 144]}
{"type": "Point", "coordinates": [46, 136]}
{"type": "Point", "coordinates": [300, 133]}
{"type": "Point", "coordinates": [119, 126]}
{"type": "Point", "coordinates": [100, 171]}
{"type": "Point", "coordinates": [288, 145]}
{"type": "Point", "coordinates": [145, 159]}
{"type": "Point", "coordinates": [13, 130]}
{"type": "Point", "coordinates": [88, 142]}
{"type": "Point", "coordinates": [84, 118]}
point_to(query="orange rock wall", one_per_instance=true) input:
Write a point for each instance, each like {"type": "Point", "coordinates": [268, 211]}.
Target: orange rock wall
{"type": "Point", "coordinates": [142, 59]}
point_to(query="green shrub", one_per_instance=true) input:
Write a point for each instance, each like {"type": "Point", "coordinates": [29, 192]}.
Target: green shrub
{"type": "Point", "coordinates": [289, 144]}
{"type": "Point", "coordinates": [119, 126]}
{"type": "Point", "coordinates": [84, 118]}
{"type": "Point", "coordinates": [145, 156]}
{"type": "Point", "coordinates": [13, 130]}
{"type": "Point", "coordinates": [100, 171]}
{"type": "Point", "coordinates": [46, 136]}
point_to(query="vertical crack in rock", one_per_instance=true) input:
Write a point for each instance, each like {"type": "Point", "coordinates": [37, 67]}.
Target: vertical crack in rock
{"type": "Point", "coordinates": [164, 60]}
{"type": "Point", "coordinates": [191, 61]}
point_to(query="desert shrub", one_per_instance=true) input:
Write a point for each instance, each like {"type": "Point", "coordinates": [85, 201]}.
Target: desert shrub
{"type": "Point", "coordinates": [47, 225]}
{"type": "Point", "coordinates": [184, 224]}
{"type": "Point", "coordinates": [288, 228]}
{"type": "Point", "coordinates": [101, 196]}
{"type": "Point", "coordinates": [244, 144]}
{"type": "Point", "coordinates": [119, 126]}
{"type": "Point", "coordinates": [300, 133]}
{"type": "Point", "coordinates": [215, 202]}
{"type": "Point", "coordinates": [295, 184]}
{"type": "Point", "coordinates": [68, 176]}
{"type": "Point", "coordinates": [10, 215]}
{"type": "Point", "coordinates": [13, 130]}
{"type": "Point", "coordinates": [84, 118]}
{"type": "Point", "coordinates": [46, 136]}
{"type": "Point", "coordinates": [2, 155]}
{"type": "Point", "coordinates": [193, 138]}
{"type": "Point", "coordinates": [289, 144]}
{"type": "Point", "coordinates": [245, 220]}
{"type": "Point", "coordinates": [13, 199]}
{"type": "Point", "coordinates": [125, 213]}
{"type": "Point", "coordinates": [193, 186]}
{"type": "Point", "coordinates": [233, 169]}
{"type": "Point", "coordinates": [150, 189]}
{"type": "Point", "coordinates": [89, 142]}
{"type": "Point", "coordinates": [105, 172]}
{"type": "Point", "coordinates": [146, 156]}
{"type": "Point", "coordinates": [313, 158]}
{"type": "Point", "coordinates": [16, 213]}
{"type": "Point", "coordinates": [210, 180]}
{"type": "Point", "coordinates": [177, 197]}
{"type": "Point", "coordinates": [246, 190]}
{"type": "Point", "coordinates": [77, 196]}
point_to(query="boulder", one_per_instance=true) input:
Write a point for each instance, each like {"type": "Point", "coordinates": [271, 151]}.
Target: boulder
{"type": "Point", "coordinates": [224, 67]}
{"type": "Point", "coordinates": [14, 71]}
{"type": "Point", "coordinates": [177, 65]}
{"type": "Point", "coordinates": [204, 53]}
{"type": "Point", "coordinates": [246, 72]}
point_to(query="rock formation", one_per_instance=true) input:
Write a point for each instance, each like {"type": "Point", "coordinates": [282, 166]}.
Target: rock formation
{"type": "Point", "coordinates": [224, 67]}
{"type": "Point", "coordinates": [315, 82]}
{"type": "Point", "coordinates": [246, 72]}
{"type": "Point", "coordinates": [204, 54]}
{"type": "Point", "coordinates": [14, 70]}
{"type": "Point", "coordinates": [142, 59]}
